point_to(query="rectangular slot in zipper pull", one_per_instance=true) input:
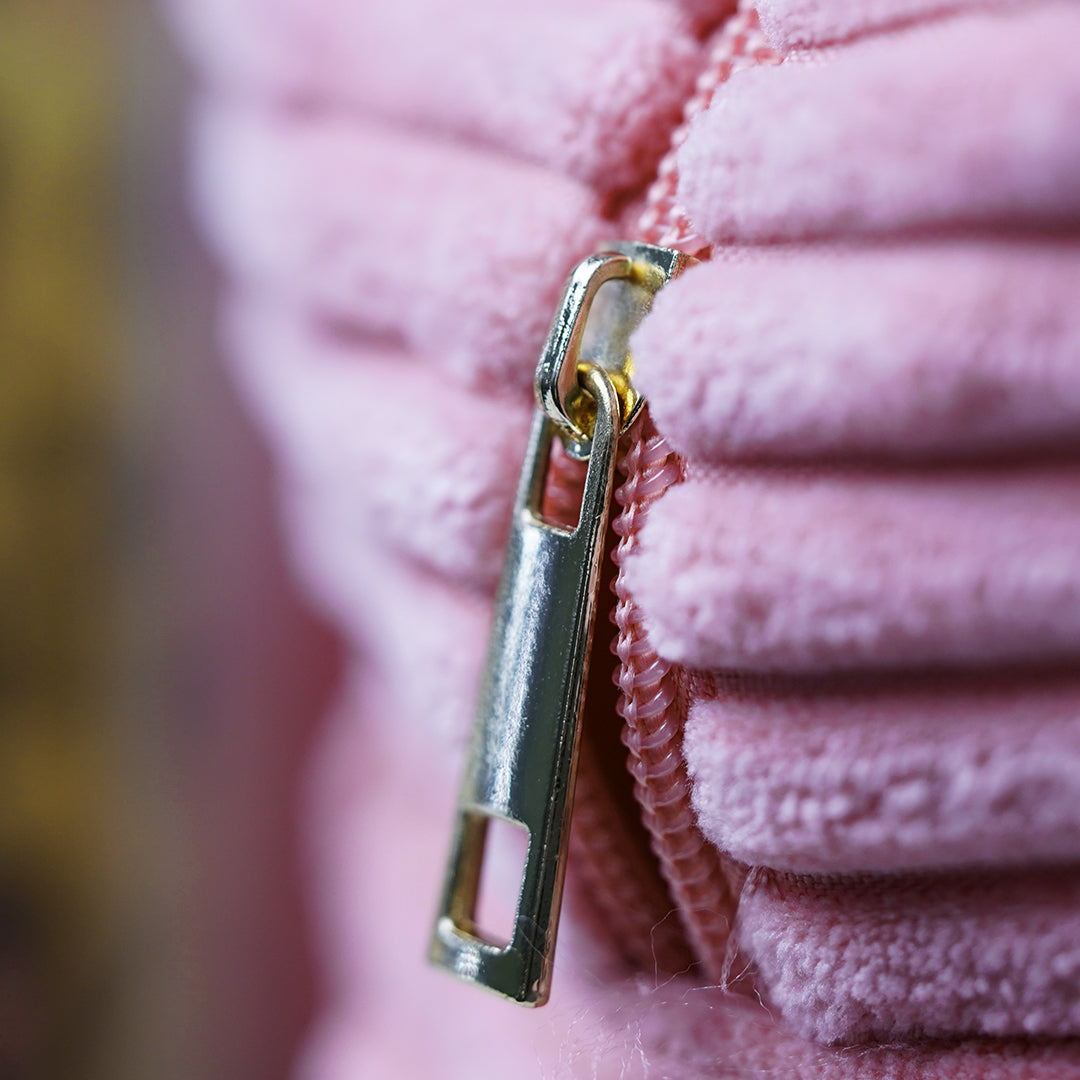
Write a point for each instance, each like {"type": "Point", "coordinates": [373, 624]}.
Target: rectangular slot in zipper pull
{"type": "Point", "coordinates": [522, 758]}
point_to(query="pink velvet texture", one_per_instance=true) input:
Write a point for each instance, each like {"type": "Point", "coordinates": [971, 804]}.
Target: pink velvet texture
{"type": "Point", "coordinates": [871, 572]}
{"type": "Point", "coordinates": [873, 555]}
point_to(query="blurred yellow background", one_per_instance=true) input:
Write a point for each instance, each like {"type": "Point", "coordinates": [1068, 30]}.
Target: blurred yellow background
{"type": "Point", "coordinates": [59, 336]}
{"type": "Point", "coordinates": [158, 679]}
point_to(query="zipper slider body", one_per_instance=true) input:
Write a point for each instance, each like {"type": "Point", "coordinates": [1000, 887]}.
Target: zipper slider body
{"type": "Point", "coordinates": [523, 754]}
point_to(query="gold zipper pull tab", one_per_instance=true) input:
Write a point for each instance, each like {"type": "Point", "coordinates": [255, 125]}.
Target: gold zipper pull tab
{"type": "Point", "coordinates": [522, 758]}
{"type": "Point", "coordinates": [523, 755]}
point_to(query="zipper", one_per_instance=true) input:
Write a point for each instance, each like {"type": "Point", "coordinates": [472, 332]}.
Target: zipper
{"type": "Point", "coordinates": [703, 883]}
{"type": "Point", "coordinates": [523, 760]}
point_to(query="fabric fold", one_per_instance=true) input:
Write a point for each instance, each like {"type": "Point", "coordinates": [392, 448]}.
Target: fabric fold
{"type": "Point", "coordinates": [805, 572]}
{"type": "Point", "coordinates": [884, 775]}
{"type": "Point", "coordinates": [462, 253]}
{"type": "Point", "coordinates": [891, 958]}
{"type": "Point", "coordinates": [925, 351]}
{"type": "Point", "coordinates": [428, 468]}
{"type": "Point", "coordinates": [591, 90]}
{"type": "Point", "coordinates": [855, 145]}
{"type": "Point", "coordinates": [419, 630]}
{"type": "Point", "coordinates": [795, 24]}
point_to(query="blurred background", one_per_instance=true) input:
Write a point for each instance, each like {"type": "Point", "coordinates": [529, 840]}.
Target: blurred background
{"type": "Point", "coordinates": [159, 678]}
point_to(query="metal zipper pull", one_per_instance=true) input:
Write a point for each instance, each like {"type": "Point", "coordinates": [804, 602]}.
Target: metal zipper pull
{"type": "Point", "coordinates": [523, 755]}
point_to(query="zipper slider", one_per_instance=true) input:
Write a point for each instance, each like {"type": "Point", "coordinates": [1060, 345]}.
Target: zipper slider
{"type": "Point", "coordinates": [523, 755]}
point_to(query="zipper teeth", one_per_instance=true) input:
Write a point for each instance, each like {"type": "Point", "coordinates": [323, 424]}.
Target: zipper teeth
{"type": "Point", "coordinates": [653, 692]}
{"type": "Point", "coordinates": [653, 706]}
{"type": "Point", "coordinates": [626, 896]}
{"type": "Point", "coordinates": [628, 899]}
{"type": "Point", "coordinates": [739, 44]}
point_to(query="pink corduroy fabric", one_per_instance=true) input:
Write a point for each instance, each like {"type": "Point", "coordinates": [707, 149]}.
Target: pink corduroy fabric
{"type": "Point", "coordinates": [363, 416]}
{"type": "Point", "coordinates": [799, 573]}
{"type": "Point", "coordinates": [911, 772]}
{"type": "Point", "coordinates": [794, 24]}
{"type": "Point", "coordinates": [986, 136]}
{"type": "Point", "coordinates": [871, 569]}
{"type": "Point", "coordinates": [851, 961]}
{"type": "Point", "coordinates": [778, 355]}
{"type": "Point", "coordinates": [550, 81]}
{"type": "Point", "coordinates": [459, 252]}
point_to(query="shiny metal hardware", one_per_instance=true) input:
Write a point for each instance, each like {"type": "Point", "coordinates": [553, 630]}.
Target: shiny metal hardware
{"type": "Point", "coordinates": [592, 325]}
{"type": "Point", "coordinates": [523, 757]}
